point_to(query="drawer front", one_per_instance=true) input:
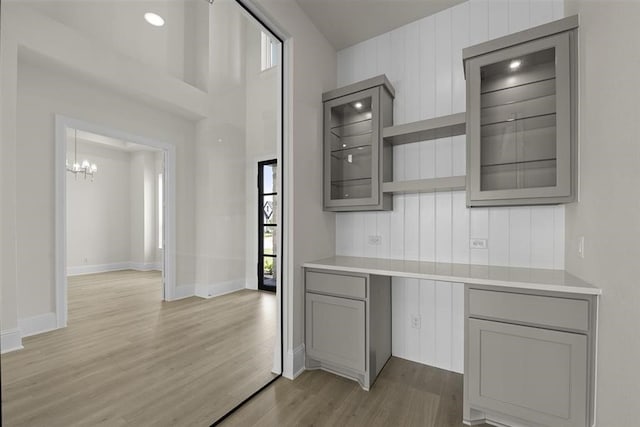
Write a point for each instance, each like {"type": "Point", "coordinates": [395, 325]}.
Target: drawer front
{"type": "Point", "coordinates": [534, 374]}
{"type": "Point", "coordinates": [336, 284]}
{"type": "Point", "coordinates": [335, 331]}
{"type": "Point", "coordinates": [534, 309]}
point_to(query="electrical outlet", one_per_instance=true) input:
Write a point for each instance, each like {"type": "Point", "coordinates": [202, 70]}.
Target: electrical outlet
{"type": "Point", "coordinates": [478, 243]}
{"type": "Point", "coordinates": [374, 240]}
{"type": "Point", "coordinates": [415, 321]}
{"type": "Point", "coordinates": [86, 260]}
{"type": "Point", "coordinates": [581, 246]}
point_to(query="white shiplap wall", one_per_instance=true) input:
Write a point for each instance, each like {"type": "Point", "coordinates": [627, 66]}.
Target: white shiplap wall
{"type": "Point", "coordinates": [423, 61]}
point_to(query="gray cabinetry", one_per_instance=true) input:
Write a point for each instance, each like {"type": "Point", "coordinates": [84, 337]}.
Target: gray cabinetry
{"type": "Point", "coordinates": [348, 324]}
{"type": "Point", "coordinates": [529, 357]}
{"type": "Point", "coordinates": [355, 159]}
{"type": "Point", "coordinates": [521, 117]}
{"type": "Point", "coordinates": [336, 331]}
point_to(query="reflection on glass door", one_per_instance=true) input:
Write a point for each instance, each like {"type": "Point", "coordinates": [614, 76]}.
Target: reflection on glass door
{"type": "Point", "coordinates": [267, 225]}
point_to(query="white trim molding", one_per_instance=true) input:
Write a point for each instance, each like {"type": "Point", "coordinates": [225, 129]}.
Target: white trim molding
{"type": "Point", "coordinates": [37, 324]}
{"type": "Point", "coordinates": [294, 363]}
{"type": "Point", "coordinates": [97, 268]}
{"type": "Point", "coordinates": [183, 291]}
{"type": "Point", "coordinates": [221, 288]}
{"type": "Point", "coordinates": [145, 266]}
{"type": "Point", "coordinates": [10, 340]}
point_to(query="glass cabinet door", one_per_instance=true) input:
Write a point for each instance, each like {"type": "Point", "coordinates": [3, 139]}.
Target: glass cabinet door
{"type": "Point", "coordinates": [519, 126]}
{"type": "Point", "coordinates": [352, 149]}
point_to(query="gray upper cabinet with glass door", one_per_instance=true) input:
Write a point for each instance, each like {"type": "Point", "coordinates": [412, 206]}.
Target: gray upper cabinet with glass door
{"type": "Point", "coordinates": [521, 117]}
{"type": "Point", "coordinates": [356, 160]}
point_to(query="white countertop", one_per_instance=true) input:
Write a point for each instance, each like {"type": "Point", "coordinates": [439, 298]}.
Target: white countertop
{"type": "Point", "coordinates": [513, 277]}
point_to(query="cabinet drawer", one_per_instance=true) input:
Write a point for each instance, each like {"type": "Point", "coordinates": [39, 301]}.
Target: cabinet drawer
{"type": "Point", "coordinates": [533, 309]}
{"type": "Point", "coordinates": [336, 284]}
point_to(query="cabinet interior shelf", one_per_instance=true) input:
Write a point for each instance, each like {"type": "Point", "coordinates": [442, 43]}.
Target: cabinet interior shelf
{"type": "Point", "coordinates": [430, 185]}
{"type": "Point", "coordinates": [355, 122]}
{"type": "Point", "coordinates": [438, 127]}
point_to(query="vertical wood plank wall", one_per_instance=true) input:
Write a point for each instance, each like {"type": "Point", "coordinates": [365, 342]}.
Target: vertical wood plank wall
{"type": "Point", "coordinates": [423, 60]}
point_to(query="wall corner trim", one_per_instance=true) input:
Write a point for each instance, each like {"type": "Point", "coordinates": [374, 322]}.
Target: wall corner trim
{"type": "Point", "coordinates": [294, 362]}
{"type": "Point", "coordinates": [38, 324]}
{"type": "Point", "coordinates": [10, 340]}
{"type": "Point", "coordinates": [183, 291]}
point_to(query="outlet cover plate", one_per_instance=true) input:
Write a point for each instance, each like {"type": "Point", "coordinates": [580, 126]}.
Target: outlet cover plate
{"type": "Point", "coordinates": [478, 243]}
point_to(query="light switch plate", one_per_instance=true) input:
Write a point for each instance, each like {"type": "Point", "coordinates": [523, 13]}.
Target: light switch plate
{"type": "Point", "coordinates": [478, 243]}
{"type": "Point", "coordinates": [374, 240]}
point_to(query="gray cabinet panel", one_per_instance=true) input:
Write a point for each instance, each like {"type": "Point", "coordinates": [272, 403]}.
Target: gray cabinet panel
{"type": "Point", "coordinates": [336, 284]}
{"type": "Point", "coordinates": [521, 121]}
{"type": "Point", "coordinates": [336, 330]}
{"type": "Point", "coordinates": [532, 309]}
{"type": "Point", "coordinates": [536, 375]}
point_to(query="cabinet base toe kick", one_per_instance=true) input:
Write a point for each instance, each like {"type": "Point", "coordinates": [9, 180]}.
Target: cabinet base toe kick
{"type": "Point", "coordinates": [365, 381]}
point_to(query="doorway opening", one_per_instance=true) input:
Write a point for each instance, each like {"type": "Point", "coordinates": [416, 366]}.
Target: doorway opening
{"type": "Point", "coordinates": [120, 216]}
{"type": "Point", "coordinates": [267, 225]}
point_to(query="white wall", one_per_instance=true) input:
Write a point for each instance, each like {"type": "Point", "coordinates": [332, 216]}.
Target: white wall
{"type": "Point", "coordinates": [143, 248]}
{"type": "Point", "coordinates": [263, 93]}
{"type": "Point", "coordinates": [10, 337]}
{"type": "Point", "coordinates": [423, 61]}
{"type": "Point", "coordinates": [312, 66]}
{"type": "Point", "coordinates": [608, 212]}
{"type": "Point", "coordinates": [221, 161]}
{"type": "Point", "coordinates": [112, 220]}
{"type": "Point", "coordinates": [98, 211]}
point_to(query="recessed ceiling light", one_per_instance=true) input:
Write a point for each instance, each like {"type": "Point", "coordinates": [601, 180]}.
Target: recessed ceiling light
{"type": "Point", "coordinates": [358, 105]}
{"type": "Point", "coordinates": [154, 19]}
{"type": "Point", "coordinates": [515, 64]}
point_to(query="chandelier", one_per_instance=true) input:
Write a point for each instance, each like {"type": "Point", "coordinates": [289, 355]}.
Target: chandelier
{"type": "Point", "coordinates": [85, 168]}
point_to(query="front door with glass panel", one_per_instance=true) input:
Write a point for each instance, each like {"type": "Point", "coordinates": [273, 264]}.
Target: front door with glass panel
{"type": "Point", "coordinates": [268, 237]}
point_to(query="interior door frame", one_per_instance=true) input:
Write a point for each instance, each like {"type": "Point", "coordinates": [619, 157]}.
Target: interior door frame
{"type": "Point", "coordinates": [169, 211]}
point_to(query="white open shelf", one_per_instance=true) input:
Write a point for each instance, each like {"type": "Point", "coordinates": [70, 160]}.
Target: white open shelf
{"type": "Point", "coordinates": [424, 130]}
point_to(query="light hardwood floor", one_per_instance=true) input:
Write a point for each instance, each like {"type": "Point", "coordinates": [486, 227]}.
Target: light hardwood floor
{"type": "Point", "coordinates": [127, 358]}
{"type": "Point", "coordinates": [405, 394]}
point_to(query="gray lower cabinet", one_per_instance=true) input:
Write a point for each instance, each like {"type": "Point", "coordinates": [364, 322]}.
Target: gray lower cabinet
{"type": "Point", "coordinates": [336, 331]}
{"type": "Point", "coordinates": [528, 358]}
{"type": "Point", "coordinates": [348, 324]}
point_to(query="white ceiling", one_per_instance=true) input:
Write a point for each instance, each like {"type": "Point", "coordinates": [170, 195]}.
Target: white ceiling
{"type": "Point", "coordinates": [348, 22]}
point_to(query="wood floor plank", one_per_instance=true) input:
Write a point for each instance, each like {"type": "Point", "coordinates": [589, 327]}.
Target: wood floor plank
{"type": "Point", "coordinates": [128, 358]}
{"type": "Point", "coordinates": [405, 394]}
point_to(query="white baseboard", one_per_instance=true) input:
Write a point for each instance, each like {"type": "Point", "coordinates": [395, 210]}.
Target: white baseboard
{"type": "Point", "coordinates": [10, 340]}
{"type": "Point", "coordinates": [220, 288]}
{"type": "Point", "coordinates": [183, 291]}
{"type": "Point", "coordinates": [97, 268]}
{"type": "Point", "coordinates": [37, 324]}
{"type": "Point", "coordinates": [294, 362]}
{"type": "Point", "coordinates": [149, 266]}
{"type": "Point", "coordinates": [117, 266]}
